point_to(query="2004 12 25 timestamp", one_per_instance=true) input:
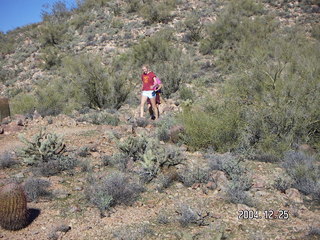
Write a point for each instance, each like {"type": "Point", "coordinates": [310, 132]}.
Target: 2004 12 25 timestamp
{"type": "Point", "coordinates": [266, 214]}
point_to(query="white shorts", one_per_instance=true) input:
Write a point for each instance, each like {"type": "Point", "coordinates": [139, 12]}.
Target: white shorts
{"type": "Point", "coordinates": [148, 94]}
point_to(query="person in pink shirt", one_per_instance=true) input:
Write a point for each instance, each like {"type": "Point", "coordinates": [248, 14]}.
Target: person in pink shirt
{"type": "Point", "coordinates": [148, 83]}
{"type": "Point", "coordinates": [157, 90]}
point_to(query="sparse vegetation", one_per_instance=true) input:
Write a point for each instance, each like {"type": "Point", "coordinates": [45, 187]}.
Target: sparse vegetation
{"type": "Point", "coordinates": [112, 190]}
{"type": "Point", "coordinates": [7, 160]}
{"type": "Point", "coordinates": [36, 188]}
{"type": "Point", "coordinates": [304, 172]}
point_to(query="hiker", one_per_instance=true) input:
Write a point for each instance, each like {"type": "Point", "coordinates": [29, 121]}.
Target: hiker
{"type": "Point", "coordinates": [148, 83]}
{"type": "Point", "coordinates": [157, 88]}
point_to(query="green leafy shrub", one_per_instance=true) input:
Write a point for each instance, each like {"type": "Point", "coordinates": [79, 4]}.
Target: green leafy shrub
{"type": "Point", "coordinates": [52, 34]}
{"type": "Point", "coordinates": [157, 11]}
{"type": "Point", "coordinates": [217, 128]}
{"type": "Point", "coordinates": [233, 24]}
{"type": "Point", "coordinates": [193, 26]}
{"type": "Point", "coordinates": [51, 57]}
{"type": "Point", "coordinates": [7, 44]}
{"type": "Point", "coordinates": [99, 86]}
{"type": "Point", "coordinates": [23, 103]}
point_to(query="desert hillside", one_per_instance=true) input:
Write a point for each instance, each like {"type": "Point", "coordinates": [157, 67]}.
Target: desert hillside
{"type": "Point", "coordinates": [233, 155]}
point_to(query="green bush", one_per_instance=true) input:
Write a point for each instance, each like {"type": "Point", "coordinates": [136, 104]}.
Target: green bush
{"type": "Point", "coordinates": [98, 86]}
{"type": "Point", "coordinates": [218, 128]}
{"type": "Point", "coordinates": [23, 103]}
{"type": "Point", "coordinates": [234, 23]}
{"type": "Point", "coordinates": [157, 11]}
{"type": "Point", "coordinates": [51, 57]}
{"type": "Point", "coordinates": [193, 26]}
{"type": "Point", "coordinates": [52, 34]}
{"type": "Point", "coordinates": [7, 44]}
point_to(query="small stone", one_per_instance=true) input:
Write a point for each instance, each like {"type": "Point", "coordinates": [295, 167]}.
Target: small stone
{"type": "Point", "coordinates": [294, 195]}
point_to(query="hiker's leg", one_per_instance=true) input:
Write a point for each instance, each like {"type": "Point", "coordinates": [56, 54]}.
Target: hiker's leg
{"type": "Point", "coordinates": [143, 101]}
{"type": "Point", "coordinates": [154, 107]}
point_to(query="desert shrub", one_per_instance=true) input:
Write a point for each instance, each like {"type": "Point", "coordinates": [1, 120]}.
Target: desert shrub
{"type": "Point", "coordinates": [157, 11]}
{"type": "Point", "coordinates": [316, 31]}
{"type": "Point", "coordinates": [100, 117]}
{"type": "Point", "coordinates": [282, 184]}
{"type": "Point", "coordinates": [141, 122]}
{"type": "Point", "coordinates": [52, 33]}
{"type": "Point", "coordinates": [233, 24]}
{"type": "Point", "coordinates": [163, 217]}
{"type": "Point", "coordinates": [193, 26]}
{"type": "Point", "coordinates": [189, 215]}
{"type": "Point", "coordinates": [133, 232]}
{"type": "Point", "coordinates": [186, 93]}
{"type": "Point", "coordinates": [36, 188]}
{"type": "Point", "coordinates": [7, 160]}
{"type": "Point", "coordinates": [237, 193]}
{"type": "Point", "coordinates": [133, 6]}
{"type": "Point", "coordinates": [194, 175]}
{"type": "Point", "coordinates": [217, 127]}
{"type": "Point", "coordinates": [80, 20]}
{"type": "Point", "coordinates": [267, 85]}
{"type": "Point", "coordinates": [51, 57]}
{"type": "Point", "coordinates": [240, 179]}
{"type": "Point", "coordinates": [112, 190]}
{"type": "Point", "coordinates": [85, 5]}
{"type": "Point", "coordinates": [163, 126]}
{"type": "Point", "coordinates": [164, 181]}
{"type": "Point", "coordinates": [304, 172]}
{"type": "Point", "coordinates": [57, 12]}
{"type": "Point", "coordinates": [99, 86]}
{"type": "Point", "coordinates": [50, 98]}
{"type": "Point", "coordinates": [23, 103]}
{"type": "Point", "coordinates": [7, 44]}
{"type": "Point", "coordinates": [227, 163]}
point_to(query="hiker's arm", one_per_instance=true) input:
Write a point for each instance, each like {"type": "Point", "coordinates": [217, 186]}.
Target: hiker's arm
{"type": "Point", "coordinates": [159, 86]}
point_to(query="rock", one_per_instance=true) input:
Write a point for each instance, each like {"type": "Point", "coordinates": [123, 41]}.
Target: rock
{"type": "Point", "coordinates": [220, 179]}
{"type": "Point", "coordinates": [211, 185]}
{"type": "Point", "coordinates": [294, 195]}
{"type": "Point", "coordinates": [174, 133]}
{"type": "Point", "coordinates": [307, 149]}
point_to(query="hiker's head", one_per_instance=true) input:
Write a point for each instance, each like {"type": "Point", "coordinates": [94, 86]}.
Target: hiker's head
{"type": "Point", "coordinates": [145, 69]}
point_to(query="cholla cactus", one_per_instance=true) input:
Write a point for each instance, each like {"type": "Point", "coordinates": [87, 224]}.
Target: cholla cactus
{"type": "Point", "coordinates": [42, 147]}
{"type": "Point", "coordinates": [13, 207]}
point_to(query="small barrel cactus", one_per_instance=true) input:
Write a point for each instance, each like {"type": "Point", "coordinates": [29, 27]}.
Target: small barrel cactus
{"type": "Point", "coordinates": [13, 207]}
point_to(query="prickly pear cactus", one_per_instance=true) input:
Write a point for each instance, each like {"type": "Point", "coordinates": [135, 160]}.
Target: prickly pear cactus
{"type": "Point", "coordinates": [13, 207]}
